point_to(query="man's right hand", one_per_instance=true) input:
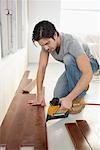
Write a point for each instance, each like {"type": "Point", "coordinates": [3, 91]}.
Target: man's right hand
{"type": "Point", "coordinates": [38, 101]}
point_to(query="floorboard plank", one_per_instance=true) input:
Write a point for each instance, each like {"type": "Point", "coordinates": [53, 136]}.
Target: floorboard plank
{"type": "Point", "coordinates": [6, 124]}
{"type": "Point", "coordinates": [14, 120]}
{"type": "Point", "coordinates": [77, 138]}
{"type": "Point", "coordinates": [35, 128]}
{"type": "Point", "coordinates": [24, 124]}
{"type": "Point", "coordinates": [30, 86]}
{"type": "Point", "coordinates": [24, 82]}
{"type": "Point", "coordinates": [90, 135]}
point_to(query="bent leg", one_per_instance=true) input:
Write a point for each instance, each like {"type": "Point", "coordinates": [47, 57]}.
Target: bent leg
{"type": "Point", "coordinates": [61, 88]}
{"type": "Point", "coordinates": [73, 73]}
{"type": "Point", "coordinates": [71, 76]}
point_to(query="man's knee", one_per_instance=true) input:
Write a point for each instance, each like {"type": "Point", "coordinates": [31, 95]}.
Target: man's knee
{"type": "Point", "coordinates": [59, 93]}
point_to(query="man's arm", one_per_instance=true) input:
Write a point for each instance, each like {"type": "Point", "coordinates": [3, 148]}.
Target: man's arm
{"type": "Point", "coordinates": [43, 61]}
{"type": "Point", "coordinates": [85, 67]}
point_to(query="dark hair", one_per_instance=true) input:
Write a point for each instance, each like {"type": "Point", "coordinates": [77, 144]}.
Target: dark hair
{"type": "Point", "coordinates": [43, 29]}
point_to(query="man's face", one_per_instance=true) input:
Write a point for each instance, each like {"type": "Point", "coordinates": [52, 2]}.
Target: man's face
{"type": "Point", "coordinates": [49, 44]}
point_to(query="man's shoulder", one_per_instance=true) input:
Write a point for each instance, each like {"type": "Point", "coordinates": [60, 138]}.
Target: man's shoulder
{"type": "Point", "coordinates": [66, 39]}
{"type": "Point", "coordinates": [66, 36]}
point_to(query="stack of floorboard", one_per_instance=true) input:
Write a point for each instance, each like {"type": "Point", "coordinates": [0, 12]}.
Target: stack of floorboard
{"type": "Point", "coordinates": [23, 125]}
{"type": "Point", "coordinates": [83, 137]}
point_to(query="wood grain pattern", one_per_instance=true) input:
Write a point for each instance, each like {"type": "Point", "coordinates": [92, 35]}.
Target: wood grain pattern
{"type": "Point", "coordinates": [77, 137]}
{"type": "Point", "coordinates": [35, 131]}
{"type": "Point", "coordinates": [30, 86]}
{"type": "Point", "coordinates": [24, 124]}
{"type": "Point", "coordinates": [92, 138]}
{"type": "Point", "coordinates": [24, 82]}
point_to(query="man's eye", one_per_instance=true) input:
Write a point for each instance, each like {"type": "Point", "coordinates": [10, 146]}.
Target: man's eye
{"type": "Point", "coordinates": [48, 43]}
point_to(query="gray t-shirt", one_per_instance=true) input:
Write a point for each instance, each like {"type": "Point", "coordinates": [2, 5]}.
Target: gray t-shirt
{"type": "Point", "coordinates": [70, 45]}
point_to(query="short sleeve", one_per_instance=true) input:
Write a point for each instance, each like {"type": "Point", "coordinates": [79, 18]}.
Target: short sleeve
{"type": "Point", "coordinates": [75, 48]}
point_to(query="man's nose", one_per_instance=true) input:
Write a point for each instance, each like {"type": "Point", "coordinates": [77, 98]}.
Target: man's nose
{"type": "Point", "coordinates": [46, 47]}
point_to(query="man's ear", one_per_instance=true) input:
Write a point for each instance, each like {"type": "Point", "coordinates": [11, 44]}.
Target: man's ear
{"type": "Point", "coordinates": [55, 36]}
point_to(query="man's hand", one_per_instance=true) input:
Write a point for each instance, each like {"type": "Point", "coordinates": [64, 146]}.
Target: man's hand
{"type": "Point", "coordinates": [65, 103]}
{"type": "Point", "coordinates": [38, 101]}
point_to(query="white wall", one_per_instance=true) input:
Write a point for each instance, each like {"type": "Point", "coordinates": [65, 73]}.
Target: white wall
{"type": "Point", "coordinates": [41, 10]}
{"type": "Point", "coordinates": [12, 68]}
{"type": "Point", "coordinates": [0, 44]}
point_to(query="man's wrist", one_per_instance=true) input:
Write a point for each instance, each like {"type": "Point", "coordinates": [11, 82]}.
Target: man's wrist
{"type": "Point", "coordinates": [69, 97]}
{"type": "Point", "coordinates": [39, 93]}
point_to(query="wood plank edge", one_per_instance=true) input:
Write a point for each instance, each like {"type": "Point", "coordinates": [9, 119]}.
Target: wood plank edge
{"type": "Point", "coordinates": [72, 138]}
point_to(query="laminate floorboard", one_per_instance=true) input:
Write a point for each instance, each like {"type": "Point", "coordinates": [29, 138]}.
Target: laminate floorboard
{"type": "Point", "coordinates": [92, 138]}
{"type": "Point", "coordinates": [77, 137]}
{"type": "Point", "coordinates": [24, 124]}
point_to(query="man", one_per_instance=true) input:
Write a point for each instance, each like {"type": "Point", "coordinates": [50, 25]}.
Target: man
{"type": "Point", "coordinates": [79, 64]}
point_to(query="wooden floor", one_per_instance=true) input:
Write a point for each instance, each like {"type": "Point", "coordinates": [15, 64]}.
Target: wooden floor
{"type": "Point", "coordinates": [24, 125]}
